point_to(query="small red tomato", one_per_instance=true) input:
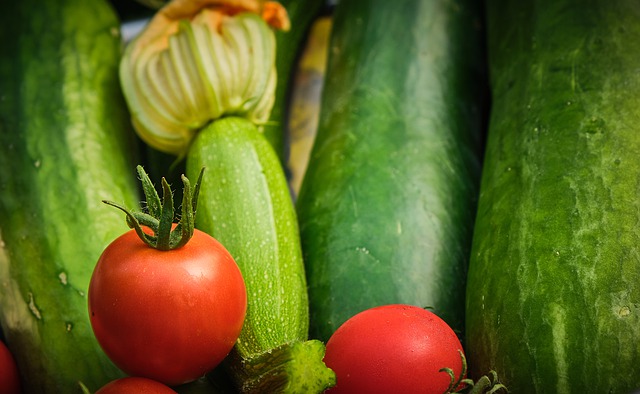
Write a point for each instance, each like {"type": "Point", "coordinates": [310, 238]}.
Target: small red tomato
{"type": "Point", "coordinates": [393, 349]}
{"type": "Point", "coordinates": [168, 315]}
{"type": "Point", "coordinates": [135, 385]}
{"type": "Point", "coordinates": [9, 377]}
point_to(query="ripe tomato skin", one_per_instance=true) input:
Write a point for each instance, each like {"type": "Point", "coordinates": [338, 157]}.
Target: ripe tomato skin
{"type": "Point", "coordinates": [9, 376]}
{"type": "Point", "coordinates": [170, 316]}
{"type": "Point", "coordinates": [135, 385]}
{"type": "Point", "coordinates": [393, 349]}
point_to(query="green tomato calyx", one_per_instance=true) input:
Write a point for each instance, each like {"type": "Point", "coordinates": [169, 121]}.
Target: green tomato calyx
{"type": "Point", "coordinates": [159, 215]}
{"type": "Point", "coordinates": [462, 385]}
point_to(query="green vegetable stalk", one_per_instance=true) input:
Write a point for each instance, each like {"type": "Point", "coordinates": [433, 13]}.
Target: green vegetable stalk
{"type": "Point", "coordinates": [200, 82]}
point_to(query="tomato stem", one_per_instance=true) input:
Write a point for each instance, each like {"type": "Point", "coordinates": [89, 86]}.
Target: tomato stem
{"type": "Point", "coordinates": [484, 385]}
{"type": "Point", "coordinates": [160, 214]}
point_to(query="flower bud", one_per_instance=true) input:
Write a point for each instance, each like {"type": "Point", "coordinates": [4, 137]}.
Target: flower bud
{"type": "Point", "coordinates": [198, 61]}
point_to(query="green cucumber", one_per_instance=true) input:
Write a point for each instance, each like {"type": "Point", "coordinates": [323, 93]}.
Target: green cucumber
{"type": "Point", "coordinates": [244, 202]}
{"type": "Point", "coordinates": [553, 297]}
{"type": "Point", "coordinates": [387, 203]}
{"type": "Point", "coordinates": [64, 146]}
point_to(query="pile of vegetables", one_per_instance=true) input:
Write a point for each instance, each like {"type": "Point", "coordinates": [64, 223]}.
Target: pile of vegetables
{"type": "Point", "coordinates": [464, 219]}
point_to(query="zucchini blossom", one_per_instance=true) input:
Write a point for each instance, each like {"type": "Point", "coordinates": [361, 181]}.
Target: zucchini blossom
{"type": "Point", "coordinates": [197, 61]}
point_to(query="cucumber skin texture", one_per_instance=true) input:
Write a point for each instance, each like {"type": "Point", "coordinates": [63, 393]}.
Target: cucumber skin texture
{"type": "Point", "coordinates": [64, 141]}
{"type": "Point", "coordinates": [244, 203]}
{"type": "Point", "coordinates": [387, 203]}
{"type": "Point", "coordinates": [553, 297]}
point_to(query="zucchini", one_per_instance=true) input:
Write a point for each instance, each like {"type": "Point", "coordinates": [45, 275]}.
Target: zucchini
{"type": "Point", "coordinates": [387, 203]}
{"type": "Point", "coordinates": [65, 144]}
{"type": "Point", "coordinates": [302, 14]}
{"type": "Point", "coordinates": [244, 202]}
{"type": "Point", "coordinates": [553, 296]}
{"type": "Point", "coordinates": [208, 104]}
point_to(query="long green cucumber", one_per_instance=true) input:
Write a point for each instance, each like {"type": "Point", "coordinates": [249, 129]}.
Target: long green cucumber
{"type": "Point", "coordinates": [64, 146]}
{"type": "Point", "coordinates": [553, 297]}
{"type": "Point", "coordinates": [387, 203]}
{"type": "Point", "coordinates": [244, 203]}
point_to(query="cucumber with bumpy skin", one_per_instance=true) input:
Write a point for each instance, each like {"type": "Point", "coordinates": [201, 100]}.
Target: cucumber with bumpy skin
{"type": "Point", "coordinates": [65, 144]}
{"type": "Point", "coordinates": [553, 296]}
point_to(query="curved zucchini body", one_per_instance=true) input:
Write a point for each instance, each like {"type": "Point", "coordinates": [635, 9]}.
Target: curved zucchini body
{"type": "Point", "coordinates": [553, 297]}
{"type": "Point", "coordinates": [244, 202]}
{"type": "Point", "coordinates": [64, 146]}
{"type": "Point", "coordinates": [387, 203]}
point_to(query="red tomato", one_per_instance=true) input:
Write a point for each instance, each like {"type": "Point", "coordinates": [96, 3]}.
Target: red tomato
{"type": "Point", "coordinates": [170, 316]}
{"type": "Point", "coordinates": [9, 377]}
{"type": "Point", "coordinates": [135, 385]}
{"type": "Point", "coordinates": [393, 349]}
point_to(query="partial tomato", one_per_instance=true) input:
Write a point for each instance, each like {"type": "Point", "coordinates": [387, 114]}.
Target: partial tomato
{"type": "Point", "coordinates": [9, 377]}
{"type": "Point", "coordinates": [168, 315]}
{"type": "Point", "coordinates": [394, 349]}
{"type": "Point", "coordinates": [135, 385]}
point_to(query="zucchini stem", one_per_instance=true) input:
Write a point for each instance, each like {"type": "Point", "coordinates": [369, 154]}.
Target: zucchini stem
{"type": "Point", "coordinates": [294, 367]}
{"type": "Point", "coordinates": [484, 385]}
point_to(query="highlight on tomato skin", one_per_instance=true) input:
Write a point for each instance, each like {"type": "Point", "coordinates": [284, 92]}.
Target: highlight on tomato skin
{"type": "Point", "coordinates": [394, 348]}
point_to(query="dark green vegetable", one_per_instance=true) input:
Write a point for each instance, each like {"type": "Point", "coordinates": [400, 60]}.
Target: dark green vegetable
{"type": "Point", "coordinates": [553, 297]}
{"type": "Point", "coordinates": [64, 145]}
{"type": "Point", "coordinates": [387, 204]}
